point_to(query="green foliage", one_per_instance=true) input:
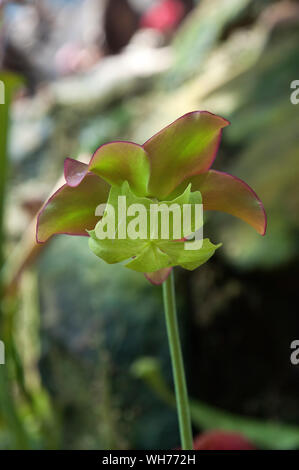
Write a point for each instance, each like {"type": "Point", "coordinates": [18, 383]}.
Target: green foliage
{"type": "Point", "coordinates": [265, 434]}
{"type": "Point", "coordinates": [198, 36]}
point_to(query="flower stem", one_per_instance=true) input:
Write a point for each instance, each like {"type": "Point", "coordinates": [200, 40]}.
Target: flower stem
{"type": "Point", "coordinates": [177, 363]}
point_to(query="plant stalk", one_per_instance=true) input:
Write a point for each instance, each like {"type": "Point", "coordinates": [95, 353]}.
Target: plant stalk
{"type": "Point", "coordinates": [177, 363]}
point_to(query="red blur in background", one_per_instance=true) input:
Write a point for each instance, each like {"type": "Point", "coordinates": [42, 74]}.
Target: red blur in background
{"type": "Point", "coordinates": [221, 440]}
{"type": "Point", "coordinates": [163, 17]}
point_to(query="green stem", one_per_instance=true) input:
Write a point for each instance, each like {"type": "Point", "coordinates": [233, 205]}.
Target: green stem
{"type": "Point", "coordinates": [177, 363]}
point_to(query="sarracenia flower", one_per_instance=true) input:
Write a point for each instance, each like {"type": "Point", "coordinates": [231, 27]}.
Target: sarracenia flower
{"type": "Point", "coordinates": [172, 166]}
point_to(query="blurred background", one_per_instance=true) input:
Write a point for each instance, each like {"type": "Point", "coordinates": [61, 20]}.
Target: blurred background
{"type": "Point", "coordinates": [87, 362]}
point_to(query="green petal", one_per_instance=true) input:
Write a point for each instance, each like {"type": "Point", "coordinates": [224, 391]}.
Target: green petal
{"type": "Point", "coordinates": [188, 259]}
{"type": "Point", "coordinates": [185, 147]}
{"type": "Point", "coordinates": [185, 198]}
{"type": "Point", "coordinates": [150, 259]}
{"type": "Point", "coordinates": [226, 193]}
{"type": "Point", "coordinates": [71, 210]}
{"type": "Point", "coordinates": [166, 254]}
{"type": "Point", "coordinates": [114, 251]}
{"type": "Point", "coordinates": [117, 162]}
{"type": "Point", "coordinates": [131, 198]}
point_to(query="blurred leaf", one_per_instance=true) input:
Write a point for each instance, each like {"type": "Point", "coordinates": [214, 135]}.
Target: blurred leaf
{"type": "Point", "coordinates": [266, 434]}
{"type": "Point", "coordinates": [198, 35]}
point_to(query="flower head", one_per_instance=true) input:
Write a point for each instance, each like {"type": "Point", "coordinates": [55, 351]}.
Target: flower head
{"type": "Point", "coordinates": [172, 166]}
